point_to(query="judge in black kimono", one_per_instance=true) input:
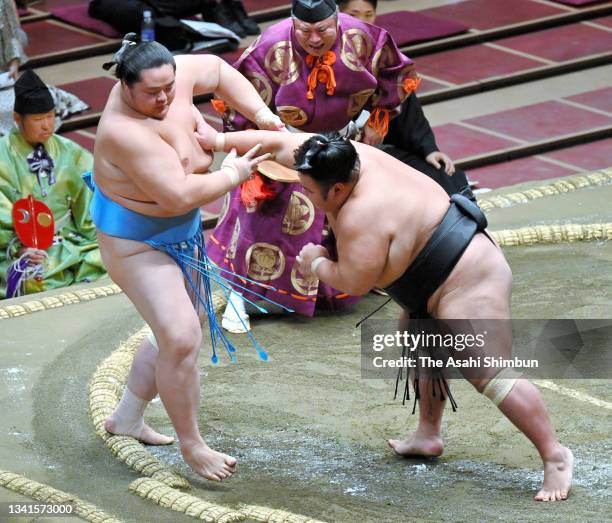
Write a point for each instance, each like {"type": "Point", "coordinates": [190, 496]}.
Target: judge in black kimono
{"type": "Point", "coordinates": [411, 140]}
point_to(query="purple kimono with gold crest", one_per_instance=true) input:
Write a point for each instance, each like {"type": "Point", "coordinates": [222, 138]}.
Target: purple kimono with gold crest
{"type": "Point", "coordinates": [261, 241]}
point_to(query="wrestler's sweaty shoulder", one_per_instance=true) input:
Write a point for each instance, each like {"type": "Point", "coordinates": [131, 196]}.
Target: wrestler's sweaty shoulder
{"type": "Point", "coordinates": [405, 201]}
{"type": "Point", "coordinates": [362, 208]}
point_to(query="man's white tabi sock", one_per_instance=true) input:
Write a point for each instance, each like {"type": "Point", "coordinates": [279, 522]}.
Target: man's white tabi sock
{"type": "Point", "coordinates": [235, 319]}
{"type": "Point", "coordinates": [129, 415]}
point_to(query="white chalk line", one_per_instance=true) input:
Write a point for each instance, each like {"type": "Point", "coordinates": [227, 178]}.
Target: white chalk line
{"type": "Point", "coordinates": [580, 396]}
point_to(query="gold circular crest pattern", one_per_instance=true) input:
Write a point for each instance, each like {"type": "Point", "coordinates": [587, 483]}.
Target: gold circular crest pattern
{"type": "Point", "coordinates": [383, 58]}
{"type": "Point", "coordinates": [292, 115]}
{"type": "Point", "coordinates": [356, 49]}
{"type": "Point", "coordinates": [305, 286]}
{"type": "Point", "coordinates": [262, 85]}
{"type": "Point", "coordinates": [282, 64]}
{"type": "Point", "coordinates": [357, 101]}
{"type": "Point", "coordinates": [265, 261]}
{"type": "Point", "coordinates": [299, 216]}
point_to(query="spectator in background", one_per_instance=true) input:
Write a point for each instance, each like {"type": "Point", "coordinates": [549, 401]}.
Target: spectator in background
{"type": "Point", "coordinates": [13, 40]}
{"type": "Point", "coordinates": [34, 161]}
{"type": "Point", "coordinates": [230, 14]}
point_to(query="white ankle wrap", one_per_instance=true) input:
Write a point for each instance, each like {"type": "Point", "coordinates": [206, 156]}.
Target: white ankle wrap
{"type": "Point", "coordinates": [129, 414]}
{"type": "Point", "coordinates": [500, 386]}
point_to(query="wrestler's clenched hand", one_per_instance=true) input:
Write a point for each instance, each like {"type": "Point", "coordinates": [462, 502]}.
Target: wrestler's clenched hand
{"type": "Point", "coordinates": [309, 252]}
{"type": "Point", "coordinates": [240, 168]}
{"type": "Point", "coordinates": [268, 121]}
{"type": "Point", "coordinates": [206, 135]}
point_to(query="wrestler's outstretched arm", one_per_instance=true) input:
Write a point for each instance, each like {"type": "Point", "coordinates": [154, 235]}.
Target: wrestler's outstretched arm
{"type": "Point", "coordinates": [154, 167]}
{"type": "Point", "coordinates": [211, 74]}
{"type": "Point", "coordinates": [281, 146]}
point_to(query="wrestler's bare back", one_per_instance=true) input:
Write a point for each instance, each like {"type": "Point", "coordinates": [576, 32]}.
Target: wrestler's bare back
{"type": "Point", "coordinates": [400, 208]}
{"type": "Point", "coordinates": [121, 124]}
{"type": "Point", "coordinates": [383, 202]}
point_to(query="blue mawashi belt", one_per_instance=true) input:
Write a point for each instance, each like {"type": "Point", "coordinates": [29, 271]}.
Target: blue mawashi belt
{"type": "Point", "coordinates": [115, 220]}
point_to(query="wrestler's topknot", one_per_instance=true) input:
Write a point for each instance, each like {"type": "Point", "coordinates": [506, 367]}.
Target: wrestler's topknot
{"type": "Point", "coordinates": [329, 158]}
{"type": "Point", "coordinates": [134, 57]}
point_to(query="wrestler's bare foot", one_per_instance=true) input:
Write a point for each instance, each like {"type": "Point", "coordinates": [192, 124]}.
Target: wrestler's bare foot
{"type": "Point", "coordinates": [418, 445]}
{"type": "Point", "coordinates": [207, 462]}
{"type": "Point", "coordinates": [142, 433]}
{"type": "Point", "coordinates": [558, 473]}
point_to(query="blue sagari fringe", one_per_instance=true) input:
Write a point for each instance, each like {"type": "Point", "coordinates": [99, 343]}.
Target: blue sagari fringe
{"type": "Point", "coordinates": [191, 257]}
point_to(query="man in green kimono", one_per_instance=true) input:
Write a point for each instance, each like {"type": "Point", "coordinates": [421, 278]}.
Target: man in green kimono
{"type": "Point", "coordinates": [34, 161]}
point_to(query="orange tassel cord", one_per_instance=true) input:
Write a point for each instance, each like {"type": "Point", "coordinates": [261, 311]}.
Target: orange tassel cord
{"type": "Point", "coordinates": [322, 72]}
{"type": "Point", "coordinates": [255, 190]}
{"type": "Point", "coordinates": [219, 105]}
{"type": "Point", "coordinates": [379, 121]}
{"type": "Point", "coordinates": [411, 84]}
